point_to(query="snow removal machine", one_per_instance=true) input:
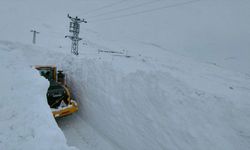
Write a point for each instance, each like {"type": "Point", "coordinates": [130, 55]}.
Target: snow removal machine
{"type": "Point", "coordinates": [58, 94]}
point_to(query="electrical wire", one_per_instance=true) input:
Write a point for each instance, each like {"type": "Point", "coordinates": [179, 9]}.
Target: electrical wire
{"type": "Point", "coordinates": [145, 11]}
{"type": "Point", "coordinates": [127, 8]}
{"type": "Point", "coordinates": [104, 7]}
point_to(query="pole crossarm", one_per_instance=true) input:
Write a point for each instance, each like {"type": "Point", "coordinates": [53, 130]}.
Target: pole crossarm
{"type": "Point", "coordinates": [34, 35]}
{"type": "Point", "coordinates": [34, 31]}
{"type": "Point", "coordinates": [76, 19]}
{"type": "Point", "coordinates": [73, 38]}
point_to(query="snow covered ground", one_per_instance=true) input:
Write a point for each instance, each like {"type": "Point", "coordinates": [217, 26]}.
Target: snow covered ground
{"type": "Point", "coordinates": [185, 84]}
{"type": "Point", "coordinates": [26, 121]}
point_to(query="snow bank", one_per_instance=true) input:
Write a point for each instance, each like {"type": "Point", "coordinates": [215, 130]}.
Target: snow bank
{"type": "Point", "coordinates": [26, 121]}
{"type": "Point", "coordinates": [162, 107]}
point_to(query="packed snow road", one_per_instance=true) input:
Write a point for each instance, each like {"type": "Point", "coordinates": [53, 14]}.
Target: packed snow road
{"type": "Point", "coordinates": [82, 135]}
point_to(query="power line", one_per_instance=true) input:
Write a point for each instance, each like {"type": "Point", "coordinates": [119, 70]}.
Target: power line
{"type": "Point", "coordinates": [146, 11]}
{"type": "Point", "coordinates": [105, 6]}
{"type": "Point", "coordinates": [127, 8]}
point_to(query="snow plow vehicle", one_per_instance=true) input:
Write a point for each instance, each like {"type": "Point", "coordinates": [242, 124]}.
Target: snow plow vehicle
{"type": "Point", "coordinates": [58, 95]}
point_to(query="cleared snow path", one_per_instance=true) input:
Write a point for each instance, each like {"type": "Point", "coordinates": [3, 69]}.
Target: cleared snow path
{"type": "Point", "coordinates": [82, 135]}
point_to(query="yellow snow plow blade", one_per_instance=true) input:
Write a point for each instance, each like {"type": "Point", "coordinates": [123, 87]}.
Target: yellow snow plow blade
{"type": "Point", "coordinates": [64, 111]}
{"type": "Point", "coordinates": [58, 95]}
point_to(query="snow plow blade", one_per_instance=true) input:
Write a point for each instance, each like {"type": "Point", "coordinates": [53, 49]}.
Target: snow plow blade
{"type": "Point", "coordinates": [58, 95]}
{"type": "Point", "coordinates": [65, 111]}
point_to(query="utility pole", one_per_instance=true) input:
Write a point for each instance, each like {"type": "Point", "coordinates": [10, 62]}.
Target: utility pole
{"type": "Point", "coordinates": [34, 36]}
{"type": "Point", "coordinates": [74, 27]}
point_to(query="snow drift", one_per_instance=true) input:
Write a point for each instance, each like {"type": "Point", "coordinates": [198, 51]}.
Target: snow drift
{"type": "Point", "coordinates": [26, 120]}
{"type": "Point", "coordinates": [161, 108]}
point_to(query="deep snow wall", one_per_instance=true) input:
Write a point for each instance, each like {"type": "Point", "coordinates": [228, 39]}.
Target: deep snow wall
{"type": "Point", "coordinates": [26, 121]}
{"type": "Point", "coordinates": [151, 109]}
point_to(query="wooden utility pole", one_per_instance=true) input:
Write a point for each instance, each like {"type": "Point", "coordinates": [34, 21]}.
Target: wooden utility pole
{"type": "Point", "coordinates": [34, 36]}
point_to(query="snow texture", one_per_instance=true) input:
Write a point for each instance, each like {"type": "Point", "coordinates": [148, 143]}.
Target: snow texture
{"type": "Point", "coordinates": [182, 82]}
{"type": "Point", "coordinates": [26, 120]}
